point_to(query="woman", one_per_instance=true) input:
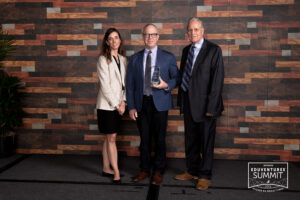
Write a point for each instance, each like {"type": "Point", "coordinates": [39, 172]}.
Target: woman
{"type": "Point", "coordinates": [111, 98]}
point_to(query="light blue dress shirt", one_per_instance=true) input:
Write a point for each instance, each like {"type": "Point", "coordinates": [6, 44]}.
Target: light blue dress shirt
{"type": "Point", "coordinates": [197, 49]}
{"type": "Point", "coordinates": [153, 59]}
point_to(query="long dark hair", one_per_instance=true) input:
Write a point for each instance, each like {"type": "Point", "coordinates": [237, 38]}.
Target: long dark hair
{"type": "Point", "coordinates": [105, 49]}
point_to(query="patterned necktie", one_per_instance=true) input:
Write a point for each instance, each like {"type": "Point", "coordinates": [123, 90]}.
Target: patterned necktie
{"type": "Point", "coordinates": [147, 83]}
{"type": "Point", "coordinates": [188, 69]}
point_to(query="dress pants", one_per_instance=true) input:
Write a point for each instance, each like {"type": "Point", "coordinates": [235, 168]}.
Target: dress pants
{"type": "Point", "coordinates": [199, 139]}
{"type": "Point", "coordinates": [152, 122]}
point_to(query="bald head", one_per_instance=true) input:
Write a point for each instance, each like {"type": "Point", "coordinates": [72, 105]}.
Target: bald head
{"type": "Point", "coordinates": [150, 35]}
{"type": "Point", "coordinates": [147, 25]}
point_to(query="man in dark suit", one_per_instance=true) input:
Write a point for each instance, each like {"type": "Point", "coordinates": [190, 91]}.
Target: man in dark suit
{"type": "Point", "coordinates": [149, 102]}
{"type": "Point", "coordinates": [200, 100]}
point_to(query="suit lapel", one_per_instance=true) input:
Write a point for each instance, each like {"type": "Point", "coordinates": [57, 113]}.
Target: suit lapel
{"type": "Point", "coordinates": [159, 59]}
{"type": "Point", "coordinates": [122, 68]}
{"type": "Point", "coordinates": [116, 69]}
{"type": "Point", "coordinates": [200, 56]}
{"type": "Point", "coordinates": [185, 53]}
{"type": "Point", "coordinates": [140, 65]}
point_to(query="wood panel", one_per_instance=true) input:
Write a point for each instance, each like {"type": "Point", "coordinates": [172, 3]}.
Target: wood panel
{"type": "Point", "coordinates": [57, 47]}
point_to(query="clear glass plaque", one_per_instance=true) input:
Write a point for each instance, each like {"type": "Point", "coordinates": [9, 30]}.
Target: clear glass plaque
{"type": "Point", "coordinates": [155, 76]}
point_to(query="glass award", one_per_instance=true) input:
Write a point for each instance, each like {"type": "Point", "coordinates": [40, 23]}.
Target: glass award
{"type": "Point", "coordinates": [155, 75]}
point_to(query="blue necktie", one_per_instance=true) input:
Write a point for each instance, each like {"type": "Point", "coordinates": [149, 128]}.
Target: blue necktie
{"type": "Point", "coordinates": [188, 70]}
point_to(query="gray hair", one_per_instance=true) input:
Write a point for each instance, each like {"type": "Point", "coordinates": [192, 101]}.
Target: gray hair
{"type": "Point", "coordinates": [194, 19]}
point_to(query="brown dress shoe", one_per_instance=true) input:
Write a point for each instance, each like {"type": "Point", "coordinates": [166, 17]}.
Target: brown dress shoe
{"type": "Point", "coordinates": [157, 178]}
{"type": "Point", "coordinates": [141, 176]}
{"type": "Point", "coordinates": [203, 184]}
{"type": "Point", "coordinates": [185, 176]}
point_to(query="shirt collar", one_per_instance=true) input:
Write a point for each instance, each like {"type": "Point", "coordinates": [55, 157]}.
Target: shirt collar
{"type": "Point", "coordinates": [198, 45]}
{"type": "Point", "coordinates": [152, 50]}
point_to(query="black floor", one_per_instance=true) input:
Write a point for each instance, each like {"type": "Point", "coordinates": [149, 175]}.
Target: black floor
{"type": "Point", "coordinates": [64, 177]}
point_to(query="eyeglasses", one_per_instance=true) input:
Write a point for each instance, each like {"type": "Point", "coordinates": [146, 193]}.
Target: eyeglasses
{"type": "Point", "coordinates": [152, 35]}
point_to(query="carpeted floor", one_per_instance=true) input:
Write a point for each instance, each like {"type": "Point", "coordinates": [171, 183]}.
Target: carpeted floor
{"type": "Point", "coordinates": [63, 177]}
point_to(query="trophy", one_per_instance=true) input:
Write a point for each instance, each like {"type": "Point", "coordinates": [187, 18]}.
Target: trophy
{"type": "Point", "coordinates": [155, 76]}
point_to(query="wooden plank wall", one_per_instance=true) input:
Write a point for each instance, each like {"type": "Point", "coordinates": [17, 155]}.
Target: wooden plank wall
{"type": "Point", "coordinates": [58, 42]}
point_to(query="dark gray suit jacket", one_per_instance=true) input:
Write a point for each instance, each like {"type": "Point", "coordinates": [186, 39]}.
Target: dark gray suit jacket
{"type": "Point", "coordinates": [206, 84]}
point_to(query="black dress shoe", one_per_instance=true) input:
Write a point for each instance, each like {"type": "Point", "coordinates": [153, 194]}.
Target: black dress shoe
{"type": "Point", "coordinates": [107, 174]}
{"type": "Point", "coordinates": [110, 175]}
{"type": "Point", "coordinates": [116, 181]}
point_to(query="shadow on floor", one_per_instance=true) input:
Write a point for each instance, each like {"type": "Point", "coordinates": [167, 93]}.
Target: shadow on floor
{"type": "Point", "coordinates": [74, 177]}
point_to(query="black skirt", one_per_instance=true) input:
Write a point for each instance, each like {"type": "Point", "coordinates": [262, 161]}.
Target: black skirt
{"type": "Point", "coordinates": [108, 121]}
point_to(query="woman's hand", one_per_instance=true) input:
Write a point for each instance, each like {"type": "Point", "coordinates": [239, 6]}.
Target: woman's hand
{"type": "Point", "coordinates": [121, 108]}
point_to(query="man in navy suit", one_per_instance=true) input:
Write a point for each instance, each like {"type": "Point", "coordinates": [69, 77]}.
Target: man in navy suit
{"type": "Point", "coordinates": [200, 99]}
{"type": "Point", "coordinates": [149, 102]}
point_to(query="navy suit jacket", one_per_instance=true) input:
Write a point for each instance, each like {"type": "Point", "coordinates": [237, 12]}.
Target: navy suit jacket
{"type": "Point", "coordinates": [135, 81]}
